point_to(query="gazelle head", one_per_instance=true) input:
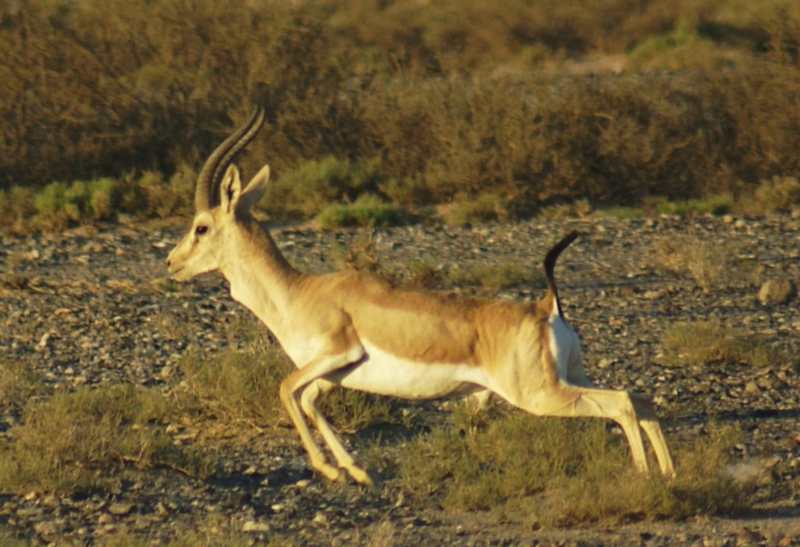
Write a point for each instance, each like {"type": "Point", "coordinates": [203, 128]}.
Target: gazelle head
{"type": "Point", "coordinates": [219, 201]}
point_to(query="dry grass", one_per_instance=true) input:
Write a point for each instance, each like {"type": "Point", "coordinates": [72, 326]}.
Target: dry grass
{"type": "Point", "coordinates": [496, 277]}
{"type": "Point", "coordinates": [80, 441]}
{"type": "Point", "coordinates": [563, 472]}
{"type": "Point", "coordinates": [419, 105]}
{"type": "Point", "coordinates": [240, 384]}
{"type": "Point", "coordinates": [710, 342]}
{"type": "Point", "coordinates": [18, 383]}
{"type": "Point", "coordinates": [704, 261]}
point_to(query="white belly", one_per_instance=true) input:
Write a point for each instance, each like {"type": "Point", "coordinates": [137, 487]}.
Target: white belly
{"type": "Point", "coordinates": [385, 374]}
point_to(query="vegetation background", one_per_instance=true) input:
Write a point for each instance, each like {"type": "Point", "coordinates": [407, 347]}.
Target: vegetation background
{"type": "Point", "coordinates": [460, 109]}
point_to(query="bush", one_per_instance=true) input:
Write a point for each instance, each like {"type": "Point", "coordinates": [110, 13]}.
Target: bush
{"type": "Point", "coordinates": [367, 210]}
{"type": "Point", "coordinates": [484, 208]}
{"type": "Point", "coordinates": [422, 104]}
{"type": "Point", "coordinates": [314, 184]}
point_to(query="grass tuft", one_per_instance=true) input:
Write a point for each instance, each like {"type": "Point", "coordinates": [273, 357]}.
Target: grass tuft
{"type": "Point", "coordinates": [484, 208]}
{"type": "Point", "coordinates": [17, 384]}
{"type": "Point", "coordinates": [367, 210]}
{"type": "Point", "coordinates": [709, 342]}
{"type": "Point", "coordinates": [72, 441]}
{"type": "Point", "coordinates": [706, 262]}
{"type": "Point", "coordinates": [497, 277]}
{"type": "Point", "coordinates": [239, 385]}
{"type": "Point", "coordinates": [563, 472]}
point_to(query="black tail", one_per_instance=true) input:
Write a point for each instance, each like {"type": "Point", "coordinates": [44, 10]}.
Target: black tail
{"type": "Point", "coordinates": [550, 264]}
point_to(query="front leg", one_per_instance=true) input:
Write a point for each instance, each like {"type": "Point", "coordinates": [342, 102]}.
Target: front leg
{"type": "Point", "coordinates": [344, 460]}
{"type": "Point", "coordinates": [292, 391]}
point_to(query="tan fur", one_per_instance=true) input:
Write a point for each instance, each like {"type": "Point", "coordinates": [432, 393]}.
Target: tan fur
{"type": "Point", "coordinates": [361, 332]}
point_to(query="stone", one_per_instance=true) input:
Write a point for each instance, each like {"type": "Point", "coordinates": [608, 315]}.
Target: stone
{"type": "Point", "coordinates": [776, 291]}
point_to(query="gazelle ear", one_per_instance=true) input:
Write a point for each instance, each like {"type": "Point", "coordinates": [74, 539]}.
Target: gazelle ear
{"type": "Point", "coordinates": [254, 191]}
{"type": "Point", "coordinates": [230, 189]}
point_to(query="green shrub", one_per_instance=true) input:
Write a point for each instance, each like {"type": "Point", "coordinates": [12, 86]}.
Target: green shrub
{"type": "Point", "coordinates": [350, 410]}
{"type": "Point", "coordinates": [367, 210]}
{"type": "Point", "coordinates": [315, 184]}
{"type": "Point", "coordinates": [484, 208]}
{"type": "Point", "coordinates": [17, 384]}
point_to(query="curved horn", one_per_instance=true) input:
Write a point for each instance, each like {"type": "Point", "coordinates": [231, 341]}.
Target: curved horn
{"type": "Point", "coordinates": [206, 195]}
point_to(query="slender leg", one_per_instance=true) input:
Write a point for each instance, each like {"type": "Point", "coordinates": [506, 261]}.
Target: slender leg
{"type": "Point", "coordinates": [572, 401]}
{"type": "Point", "coordinates": [646, 416]}
{"type": "Point", "coordinates": [293, 386]}
{"type": "Point", "coordinates": [649, 423]}
{"type": "Point", "coordinates": [343, 458]}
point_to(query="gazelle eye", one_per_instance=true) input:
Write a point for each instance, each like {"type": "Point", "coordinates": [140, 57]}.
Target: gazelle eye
{"type": "Point", "coordinates": [200, 230]}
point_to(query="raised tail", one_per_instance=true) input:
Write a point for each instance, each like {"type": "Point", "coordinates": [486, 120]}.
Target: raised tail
{"type": "Point", "coordinates": [550, 264]}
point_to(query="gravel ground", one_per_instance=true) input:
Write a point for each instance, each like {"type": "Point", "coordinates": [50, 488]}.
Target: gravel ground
{"type": "Point", "coordinates": [85, 307]}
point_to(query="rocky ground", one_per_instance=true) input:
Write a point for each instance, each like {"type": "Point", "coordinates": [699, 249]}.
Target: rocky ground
{"type": "Point", "coordinates": [88, 307]}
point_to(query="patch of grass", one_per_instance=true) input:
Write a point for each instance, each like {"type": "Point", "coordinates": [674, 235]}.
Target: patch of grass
{"type": "Point", "coordinates": [316, 184]}
{"type": "Point", "coordinates": [71, 442]}
{"type": "Point", "coordinates": [497, 277]}
{"type": "Point", "coordinates": [706, 262]}
{"type": "Point", "coordinates": [710, 342]}
{"type": "Point", "coordinates": [718, 204]}
{"type": "Point", "coordinates": [242, 383]}
{"type": "Point", "coordinates": [17, 384]}
{"type": "Point", "coordinates": [484, 208]}
{"type": "Point", "coordinates": [350, 410]}
{"type": "Point", "coordinates": [775, 194]}
{"type": "Point", "coordinates": [366, 210]}
{"type": "Point", "coordinates": [17, 208]}
{"type": "Point", "coordinates": [579, 208]}
{"type": "Point", "coordinates": [619, 212]}
{"type": "Point", "coordinates": [60, 204]}
{"type": "Point", "coordinates": [239, 384]}
{"type": "Point", "coordinates": [422, 274]}
{"type": "Point", "coordinates": [361, 255]}
{"type": "Point", "coordinates": [563, 471]}
{"type": "Point", "coordinates": [212, 530]}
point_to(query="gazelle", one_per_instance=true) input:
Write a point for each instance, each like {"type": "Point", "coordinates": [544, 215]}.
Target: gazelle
{"type": "Point", "coordinates": [350, 329]}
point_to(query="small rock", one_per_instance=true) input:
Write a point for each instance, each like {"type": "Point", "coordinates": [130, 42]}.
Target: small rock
{"type": "Point", "coordinates": [320, 518]}
{"type": "Point", "coordinates": [49, 528]}
{"type": "Point", "coordinates": [776, 291]}
{"type": "Point", "coordinates": [120, 508]}
{"type": "Point", "coordinates": [254, 526]}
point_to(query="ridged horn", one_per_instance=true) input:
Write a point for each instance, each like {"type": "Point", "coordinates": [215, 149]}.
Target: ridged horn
{"type": "Point", "coordinates": [206, 195]}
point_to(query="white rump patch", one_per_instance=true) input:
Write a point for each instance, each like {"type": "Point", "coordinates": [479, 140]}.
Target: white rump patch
{"type": "Point", "coordinates": [564, 344]}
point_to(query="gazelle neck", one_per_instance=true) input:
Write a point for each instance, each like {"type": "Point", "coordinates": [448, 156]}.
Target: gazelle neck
{"type": "Point", "coordinates": [259, 275]}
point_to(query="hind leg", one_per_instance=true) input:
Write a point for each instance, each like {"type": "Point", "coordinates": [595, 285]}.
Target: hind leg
{"type": "Point", "coordinates": [573, 401]}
